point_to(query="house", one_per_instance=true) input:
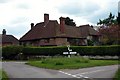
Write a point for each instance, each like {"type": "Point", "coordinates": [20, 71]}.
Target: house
{"type": "Point", "coordinates": [8, 39]}
{"type": "Point", "coordinates": [51, 33]}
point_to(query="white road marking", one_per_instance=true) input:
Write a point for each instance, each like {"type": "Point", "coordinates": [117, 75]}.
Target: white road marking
{"type": "Point", "coordinates": [90, 72]}
{"type": "Point", "coordinates": [76, 76]}
{"type": "Point", "coordinates": [65, 73]}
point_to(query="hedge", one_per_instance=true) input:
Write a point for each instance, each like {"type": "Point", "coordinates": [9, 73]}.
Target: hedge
{"type": "Point", "coordinates": [9, 52]}
{"type": "Point", "coordinates": [82, 50]}
{"type": "Point", "coordinates": [98, 50]}
{"type": "Point", "coordinates": [12, 51]}
{"type": "Point", "coordinates": [44, 50]}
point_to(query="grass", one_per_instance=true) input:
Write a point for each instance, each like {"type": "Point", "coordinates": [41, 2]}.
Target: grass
{"type": "Point", "coordinates": [70, 63]}
{"type": "Point", "coordinates": [117, 75]}
{"type": "Point", "coordinates": [3, 75]}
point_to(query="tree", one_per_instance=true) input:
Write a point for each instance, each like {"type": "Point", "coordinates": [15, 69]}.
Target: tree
{"type": "Point", "coordinates": [69, 21]}
{"type": "Point", "coordinates": [111, 33]}
{"type": "Point", "coordinates": [108, 21]}
{"type": "Point", "coordinates": [118, 18]}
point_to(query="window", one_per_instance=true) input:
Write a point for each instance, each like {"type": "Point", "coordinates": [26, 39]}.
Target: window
{"type": "Point", "coordinates": [73, 41]}
{"type": "Point", "coordinates": [46, 40]}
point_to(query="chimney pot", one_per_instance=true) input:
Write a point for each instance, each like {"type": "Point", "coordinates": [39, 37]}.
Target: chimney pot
{"type": "Point", "coordinates": [4, 32]}
{"type": "Point", "coordinates": [32, 25]}
{"type": "Point", "coordinates": [46, 18]}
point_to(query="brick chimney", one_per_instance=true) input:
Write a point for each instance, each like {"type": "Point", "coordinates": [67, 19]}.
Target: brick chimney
{"type": "Point", "coordinates": [32, 25]}
{"type": "Point", "coordinates": [46, 18]}
{"type": "Point", "coordinates": [4, 32]}
{"type": "Point", "coordinates": [62, 24]}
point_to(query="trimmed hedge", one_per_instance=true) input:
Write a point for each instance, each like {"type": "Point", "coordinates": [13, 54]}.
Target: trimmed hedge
{"type": "Point", "coordinates": [82, 50]}
{"type": "Point", "coordinates": [51, 51]}
{"type": "Point", "coordinates": [9, 52]}
{"type": "Point", "coordinates": [12, 51]}
{"type": "Point", "coordinates": [98, 50]}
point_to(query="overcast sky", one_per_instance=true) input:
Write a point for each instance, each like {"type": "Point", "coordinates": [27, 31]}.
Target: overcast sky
{"type": "Point", "coordinates": [16, 15]}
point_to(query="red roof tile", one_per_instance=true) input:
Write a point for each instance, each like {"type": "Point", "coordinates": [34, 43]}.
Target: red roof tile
{"type": "Point", "coordinates": [9, 38]}
{"type": "Point", "coordinates": [52, 29]}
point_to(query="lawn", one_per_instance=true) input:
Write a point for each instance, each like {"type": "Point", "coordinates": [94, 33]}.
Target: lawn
{"type": "Point", "coordinates": [70, 63]}
{"type": "Point", "coordinates": [3, 75]}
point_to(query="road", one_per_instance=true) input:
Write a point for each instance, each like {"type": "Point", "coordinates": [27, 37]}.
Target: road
{"type": "Point", "coordinates": [21, 70]}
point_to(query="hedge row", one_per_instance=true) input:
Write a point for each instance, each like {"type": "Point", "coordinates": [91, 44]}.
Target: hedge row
{"type": "Point", "coordinates": [82, 50]}
{"type": "Point", "coordinates": [10, 51]}
{"type": "Point", "coordinates": [44, 50]}
{"type": "Point", "coordinates": [98, 50]}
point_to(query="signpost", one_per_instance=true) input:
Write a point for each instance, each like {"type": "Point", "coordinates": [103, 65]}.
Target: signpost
{"type": "Point", "coordinates": [69, 51]}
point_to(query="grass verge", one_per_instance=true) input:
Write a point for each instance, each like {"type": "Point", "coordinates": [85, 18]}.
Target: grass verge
{"type": "Point", "coordinates": [3, 75]}
{"type": "Point", "coordinates": [70, 63]}
{"type": "Point", "coordinates": [117, 75]}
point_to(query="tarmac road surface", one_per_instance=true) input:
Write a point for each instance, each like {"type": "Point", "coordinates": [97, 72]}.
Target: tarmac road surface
{"type": "Point", "coordinates": [21, 70]}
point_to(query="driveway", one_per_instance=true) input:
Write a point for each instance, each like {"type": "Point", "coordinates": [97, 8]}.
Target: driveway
{"type": "Point", "coordinates": [21, 70]}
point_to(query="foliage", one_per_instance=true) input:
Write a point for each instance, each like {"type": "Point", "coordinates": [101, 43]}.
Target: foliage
{"type": "Point", "coordinates": [90, 42]}
{"type": "Point", "coordinates": [110, 35]}
{"type": "Point", "coordinates": [69, 21]}
{"type": "Point", "coordinates": [82, 50]}
{"type": "Point", "coordinates": [108, 21]}
{"type": "Point", "coordinates": [97, 50]}
{"type": "Point", "coordinates": [11, 52]}
{"type": "Point", "coordinates": [48, 51]}
{"type": "Point", "coordinates": [118, 18]}
{"type": "Point", "coordinates": [109, 30]}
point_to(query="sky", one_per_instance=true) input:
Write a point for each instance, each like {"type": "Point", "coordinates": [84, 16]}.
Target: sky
{"type": "Point", "coordinates": [17, 15]}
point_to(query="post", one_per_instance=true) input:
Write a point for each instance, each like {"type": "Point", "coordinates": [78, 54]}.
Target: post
{"type": "Point", "coordinates": [69, 53]}
{"type": "Point", "coordinates": [68, 46]}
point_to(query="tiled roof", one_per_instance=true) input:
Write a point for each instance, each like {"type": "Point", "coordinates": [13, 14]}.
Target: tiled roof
{"type": "Point", "coordinates": [41, 31]}
{"type": "Point", "coordinates": [88, 30]}
{"type": "Point", "coordinates": [9, 38]}
{"type": "Point", "coordinates": [72, 31]}
{"type": "Point", "coordinates": [52, 29]}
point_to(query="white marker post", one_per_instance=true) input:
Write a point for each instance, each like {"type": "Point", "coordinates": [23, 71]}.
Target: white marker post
{"type": "Point", "coordinates": [69, 51]}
